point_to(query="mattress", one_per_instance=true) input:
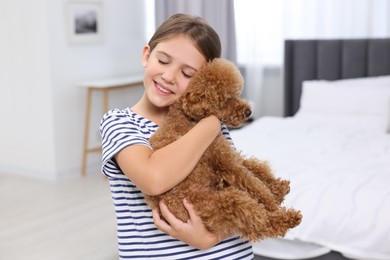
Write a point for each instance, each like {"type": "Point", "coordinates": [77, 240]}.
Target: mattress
{"type": "Point", "coordinates": [340, 180]}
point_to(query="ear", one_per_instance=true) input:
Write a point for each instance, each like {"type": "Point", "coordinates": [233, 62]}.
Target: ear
{"type": "Point", "coordinates": [145, 55]}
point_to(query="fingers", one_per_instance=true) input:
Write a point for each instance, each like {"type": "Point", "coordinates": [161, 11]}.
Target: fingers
{"type": "Point", "coordinates": [169, 217]}
{"type": "Point", "coordinates": [169, 223]}
{"type": "Point", "coordinates": [191, 211]}
{"type": "Point", "coordinates": [203, 238]}
{"type": "Point", "coordinates": [192, 232]}
{"type": "Point", "coordinates": [160, 223]}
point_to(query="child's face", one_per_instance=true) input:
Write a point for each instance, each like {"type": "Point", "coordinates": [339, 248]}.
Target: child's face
{"type": "Point", "coordinates": [169, 68]}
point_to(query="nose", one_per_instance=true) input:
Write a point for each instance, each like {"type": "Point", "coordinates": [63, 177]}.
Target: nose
{"type": "Point", "coordinates": [169, 75]}
{"type": "Point", "coordinates": [248, 113]}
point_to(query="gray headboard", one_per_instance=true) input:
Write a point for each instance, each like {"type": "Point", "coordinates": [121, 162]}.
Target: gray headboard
{"type": "Point", "coordinates": [330, 60]}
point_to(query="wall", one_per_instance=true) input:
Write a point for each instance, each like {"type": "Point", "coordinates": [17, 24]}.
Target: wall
{"type": "Point", "coordinates": [26, 132]}
{"type": "Point", "coordinates": [42, 108]}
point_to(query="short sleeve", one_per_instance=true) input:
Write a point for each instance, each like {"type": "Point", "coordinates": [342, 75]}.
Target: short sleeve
{"type": "Point", "coordinates": [119, 129]}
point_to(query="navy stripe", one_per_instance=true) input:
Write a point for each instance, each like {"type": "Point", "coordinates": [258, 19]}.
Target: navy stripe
{"type": "Point", "coordinates": [126, 198]}
{"type": "Point", "coordinates": [134, 218]}
{"type": "Point", "coordinates": [129, 204]}
{"type": "Point", "coordinates": [126, 192]}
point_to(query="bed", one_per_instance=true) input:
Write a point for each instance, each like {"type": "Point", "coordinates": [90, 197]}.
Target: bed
{"type": "Point", "coordinates": [334, 146]}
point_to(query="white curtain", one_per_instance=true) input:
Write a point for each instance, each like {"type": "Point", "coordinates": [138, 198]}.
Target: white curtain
{"type": "Point", "coordinates": [262, 26]}
{"type": "Point", "coordinates": [218, 13]}
{"type": "Point", "coordinates": [258, 30]}
{"type": "Point", "coordinates": [336, 18]}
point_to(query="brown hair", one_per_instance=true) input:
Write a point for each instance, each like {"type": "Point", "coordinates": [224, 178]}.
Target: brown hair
{"type": "Point", "coordinates": [204, 36]}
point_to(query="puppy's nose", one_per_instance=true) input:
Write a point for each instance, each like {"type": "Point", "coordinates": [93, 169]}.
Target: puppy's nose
{"type": "Point", "coordinates": [248, 113]}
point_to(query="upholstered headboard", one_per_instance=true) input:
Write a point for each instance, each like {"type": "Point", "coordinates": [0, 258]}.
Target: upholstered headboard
{"type": "Point", "coordinates": [331, 60]}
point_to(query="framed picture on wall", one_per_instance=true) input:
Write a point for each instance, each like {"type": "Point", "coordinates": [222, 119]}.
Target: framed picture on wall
{"type": "Point", "coordinates": [84, 21]}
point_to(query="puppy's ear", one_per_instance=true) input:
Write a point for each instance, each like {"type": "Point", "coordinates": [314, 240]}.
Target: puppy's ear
{"type": "Point", "coordinates": [210, 88]}
{"type": "Point", "coordinates": [204, 82]}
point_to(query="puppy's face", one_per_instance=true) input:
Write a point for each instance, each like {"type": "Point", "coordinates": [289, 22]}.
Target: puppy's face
{"type": "Point", "coordinates": [215, 90]}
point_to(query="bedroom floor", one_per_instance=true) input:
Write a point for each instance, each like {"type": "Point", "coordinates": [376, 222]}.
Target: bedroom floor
{"type": "Point", "coordinates": [63, 220]}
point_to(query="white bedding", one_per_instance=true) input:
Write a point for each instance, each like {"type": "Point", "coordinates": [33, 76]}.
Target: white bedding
{"type": "Point", "coordinates": [340, 180]}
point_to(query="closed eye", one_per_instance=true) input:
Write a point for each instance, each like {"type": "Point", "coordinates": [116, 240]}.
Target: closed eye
{"type": "Point", "coordinates": [186, 75]}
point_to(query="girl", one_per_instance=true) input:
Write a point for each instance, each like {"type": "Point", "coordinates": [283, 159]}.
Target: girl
{"type": "Point", "coordinates": [179, 47]}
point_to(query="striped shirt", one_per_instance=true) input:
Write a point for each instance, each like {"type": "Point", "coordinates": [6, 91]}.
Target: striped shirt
{"type": "Point", "coordinates": [138, 237]}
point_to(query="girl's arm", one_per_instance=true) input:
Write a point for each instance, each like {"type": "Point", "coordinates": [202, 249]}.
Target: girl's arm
{"type": "Point", "coordinates": [155, 172]}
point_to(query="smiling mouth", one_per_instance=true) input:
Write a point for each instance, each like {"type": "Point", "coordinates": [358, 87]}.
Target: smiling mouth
{"type": "Point", "coordinates": [163, 90]}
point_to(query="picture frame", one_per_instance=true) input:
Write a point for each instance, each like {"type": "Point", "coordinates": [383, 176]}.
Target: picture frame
{"type": "Point", "coordinates": [84, 21]}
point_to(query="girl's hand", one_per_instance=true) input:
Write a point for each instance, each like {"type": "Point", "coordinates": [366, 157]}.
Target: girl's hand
{"type": "Point", "coordinates": [193, 232]}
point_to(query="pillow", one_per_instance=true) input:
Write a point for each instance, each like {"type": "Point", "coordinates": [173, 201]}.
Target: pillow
{"type": "Point", "coordinates": [377, 81]}
{"type": "Point", "coordinates": [361, 100]}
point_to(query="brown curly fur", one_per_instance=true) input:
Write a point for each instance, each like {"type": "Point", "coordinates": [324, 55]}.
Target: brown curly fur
{"type": "Point", "coordinates": [231, 194]}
